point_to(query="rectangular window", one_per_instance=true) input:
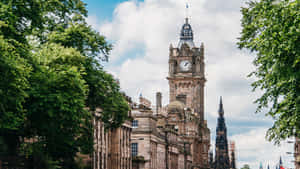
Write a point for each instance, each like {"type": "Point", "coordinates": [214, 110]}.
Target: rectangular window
{"type": "Point", "coordinates": [135, 124]}
{"type": "Point", "coordinates": [134, 149]}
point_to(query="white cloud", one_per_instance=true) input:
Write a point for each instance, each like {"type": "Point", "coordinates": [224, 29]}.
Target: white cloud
{"type": "Point", "coordinates": [252, 148]}
{"type": "Point", "coordinates": [153, 25]}
{"type": "Point", "coordinates": [93, 21]}
{"type": "Point", "coordinates": [142, 83]}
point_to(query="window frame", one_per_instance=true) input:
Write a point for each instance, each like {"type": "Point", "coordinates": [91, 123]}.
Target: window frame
{"type": "Point", "coordinates": [134, 149]}
{"type": "Point", "coordinates": [135, 124]}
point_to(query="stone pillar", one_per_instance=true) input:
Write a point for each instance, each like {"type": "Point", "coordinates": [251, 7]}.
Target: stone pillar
{"type": "Point", "coordinates": [201, 110]}
{"type": "Point", "coordinates": [202, 51]}
{"type": "Point", "coordinates": [172, 89]}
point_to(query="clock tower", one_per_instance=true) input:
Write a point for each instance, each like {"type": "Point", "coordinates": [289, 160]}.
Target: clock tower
{"type": "Point", "coordinates": [186, 72]}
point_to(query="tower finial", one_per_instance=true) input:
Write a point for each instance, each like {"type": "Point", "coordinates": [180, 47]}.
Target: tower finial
{"type": "Point", "coordinates": [221, 109]}
{"type": "Point", "coordinates": [187, 13]}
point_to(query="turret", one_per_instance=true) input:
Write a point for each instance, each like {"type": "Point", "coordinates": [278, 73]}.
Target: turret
{"type": "Point", "coordinates": [221, 109]}
{"type": "Point", "coordinates": [186, 35]}
{"type": "Point", "coordinates": [232, 155]}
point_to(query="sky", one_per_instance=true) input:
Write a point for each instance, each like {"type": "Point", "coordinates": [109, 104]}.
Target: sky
{"type": "Point", "coordinates": [141, 33]}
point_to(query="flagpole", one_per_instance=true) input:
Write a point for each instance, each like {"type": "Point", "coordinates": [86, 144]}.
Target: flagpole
{"type": "Point", "coordinates": [186, 9]}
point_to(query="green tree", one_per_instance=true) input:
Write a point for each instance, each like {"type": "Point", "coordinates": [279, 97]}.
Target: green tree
{"type": "Point", "coordinates": [52, 79]}
{"type": "Point", "coordinates": [13, 83]}
{"type": "Point", "coordinates": [271, 29]}
{"type": "Point", "coordinates": [56, 102]}
{"type": "Point", "coordinates": [245, 166]}
{"type": "Point", "coordinates": [103, 89]}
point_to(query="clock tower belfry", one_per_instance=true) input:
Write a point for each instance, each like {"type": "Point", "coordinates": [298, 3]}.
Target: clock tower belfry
{"type": "Point", "coordinates": [186, 72]}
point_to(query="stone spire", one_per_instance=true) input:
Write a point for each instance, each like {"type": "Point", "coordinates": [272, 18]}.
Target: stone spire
{"type": "Point", "coordinates": [222, 154]}
{"type": "Point", "coordinates": [221, 109]}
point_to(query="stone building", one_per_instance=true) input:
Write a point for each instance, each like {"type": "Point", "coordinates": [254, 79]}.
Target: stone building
{"type": "Point", "coordinates": [175, 136]}
{"type": "Point", "coordinates": [297, 153]}
{"type": "Point", "coordinates": [112, 147]}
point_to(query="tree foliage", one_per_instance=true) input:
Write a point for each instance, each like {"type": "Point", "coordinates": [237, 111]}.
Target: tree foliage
{"type": "Point", "coordinates": [13, 83]}
{"type": "Point", "coordinates": [271, 29]}
{"type": "Point", "coordinates": [52, 80]}
{"type": "Point", "coordinates": [246, 166]}
{"type": "Point", "coordinates": [56, 100]}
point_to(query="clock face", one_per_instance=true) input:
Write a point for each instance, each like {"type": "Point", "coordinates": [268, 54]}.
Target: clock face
{"type": "Point", "coordinates": [185, 65]}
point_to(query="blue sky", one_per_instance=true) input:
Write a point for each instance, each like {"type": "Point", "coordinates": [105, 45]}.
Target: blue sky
{"type": "Point", "coordinates": [141, 32]}
{"type": "Point", "coordinates": [103, 9]}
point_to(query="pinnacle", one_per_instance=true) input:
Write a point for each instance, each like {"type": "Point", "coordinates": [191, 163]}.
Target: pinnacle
{"type": "Point", "coordinates": [221, 109]}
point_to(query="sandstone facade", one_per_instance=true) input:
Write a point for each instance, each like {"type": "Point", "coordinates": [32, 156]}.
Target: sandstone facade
{"type": "Point", "coordinates": [112, 148]}
{"type": "Point", "coordinates": [175, 136]}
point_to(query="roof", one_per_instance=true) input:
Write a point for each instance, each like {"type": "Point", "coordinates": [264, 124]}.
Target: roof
{"type": "Point", "coordinates": [175, 105]}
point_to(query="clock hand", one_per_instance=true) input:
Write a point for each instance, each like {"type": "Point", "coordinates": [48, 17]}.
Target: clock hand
{"type": "Point", "coordinates": [186, 64]}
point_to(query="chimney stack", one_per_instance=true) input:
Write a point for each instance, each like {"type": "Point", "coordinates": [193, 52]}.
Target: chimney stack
{"type": "Point", "coordinates": [158, 101]}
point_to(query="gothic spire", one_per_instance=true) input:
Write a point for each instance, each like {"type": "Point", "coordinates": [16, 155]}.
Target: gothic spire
{"type": "Point", "coordinates": [280, 162]}
{"type": "Point", "coordinates": [222, 153]}
{"type": "Point", "coordinates": [221, 109]}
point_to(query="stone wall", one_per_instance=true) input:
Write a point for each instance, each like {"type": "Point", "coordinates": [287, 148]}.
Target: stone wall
{"type": "Point", "coordinates": [112, 148]}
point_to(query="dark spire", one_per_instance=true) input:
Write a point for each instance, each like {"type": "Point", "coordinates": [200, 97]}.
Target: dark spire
{"type": "Point", "coordinates": [221, 109]}
{"type": "Point", "coordinates": [222, 153]}
{"type": "Point", "coordinates": [280, 162]}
